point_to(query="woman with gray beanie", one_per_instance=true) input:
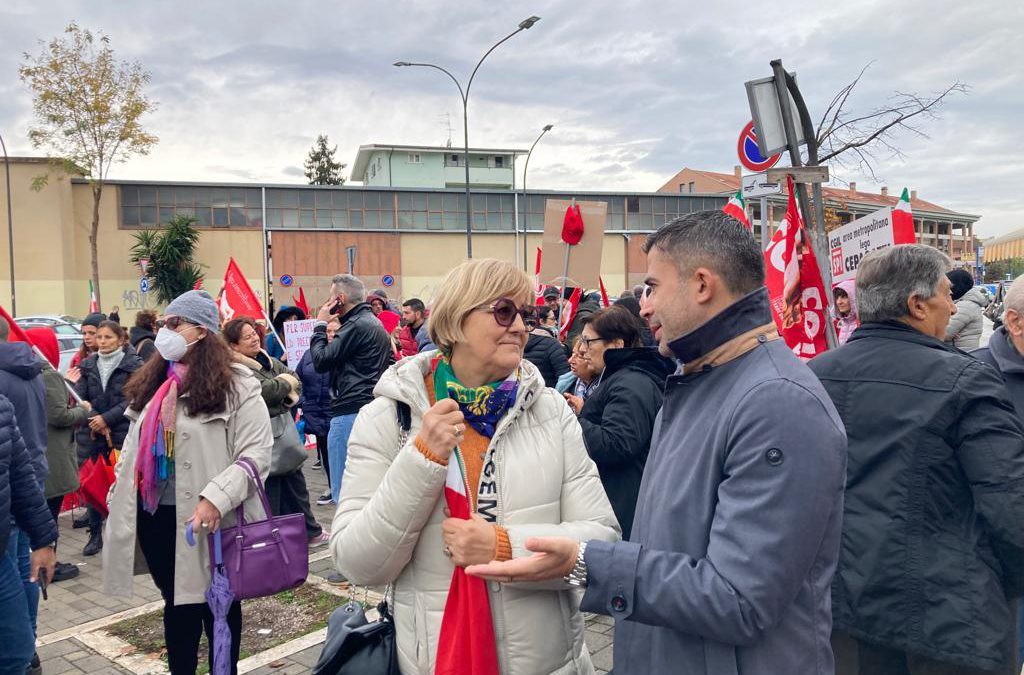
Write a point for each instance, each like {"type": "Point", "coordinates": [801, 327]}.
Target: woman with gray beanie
{"type": "Point", "coordinates": [194, 413]}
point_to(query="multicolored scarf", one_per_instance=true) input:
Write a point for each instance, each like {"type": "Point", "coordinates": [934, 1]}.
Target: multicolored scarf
{"type": "Point", "coordinates": [466, 644]}
{"type": "Point", "coordinates": [482, 406]}
{"type": "Point", "coordinates": [155, 459]}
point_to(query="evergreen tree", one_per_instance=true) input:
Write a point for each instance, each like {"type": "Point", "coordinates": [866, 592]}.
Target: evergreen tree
{"type": "Point", "coordinates": [321, 169]}
{"type": "Point", "coordinates": [171, 252]}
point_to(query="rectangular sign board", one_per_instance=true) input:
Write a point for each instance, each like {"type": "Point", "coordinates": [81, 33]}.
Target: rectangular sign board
{"type": "Point", "coordinates": [757, 185]}
{"type": "Point", "coordinates": [585, 257]}
{"type": "Point", "coordinates": [850, 243]}
{"type": "Point", "coordinates": [296, 340]}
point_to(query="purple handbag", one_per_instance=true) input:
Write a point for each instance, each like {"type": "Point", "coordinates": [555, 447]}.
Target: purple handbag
{"type": "Point", "coordinates": [266, 556]}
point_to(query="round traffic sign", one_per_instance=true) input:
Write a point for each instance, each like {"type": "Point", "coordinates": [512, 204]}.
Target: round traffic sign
{"type": "Point", "coordinates": [750, 155]}
{"type": "Point", "coordinates": [144, 284]}
{"type": "Point", "coordinates": [286, 280]}
{"type": "Point", "coordinates": [387, 280]}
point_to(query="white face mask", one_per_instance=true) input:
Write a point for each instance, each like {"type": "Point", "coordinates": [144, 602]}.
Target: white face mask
{"type": "Point", "coordinates": [171, 344]}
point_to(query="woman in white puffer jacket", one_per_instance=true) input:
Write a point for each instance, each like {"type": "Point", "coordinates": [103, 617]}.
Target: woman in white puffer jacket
{"type": "Point", "coordinates": [478, 410]}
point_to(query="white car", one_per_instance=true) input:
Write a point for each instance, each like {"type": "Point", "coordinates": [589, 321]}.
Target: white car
{"type": "Point", "coordinates": [67, 328]}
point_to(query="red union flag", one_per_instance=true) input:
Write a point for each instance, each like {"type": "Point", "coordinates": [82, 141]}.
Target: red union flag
{"type": "Point", "coordinates": [569, 312]}
{"type": "Point", "coordinates": [795, 289]}
{"type": "Point", "coordinates": [237, 297]}
{"type": "Point", "coordinates": [737, 208]}
{"type": "Point", "coordinates": [538, 287]}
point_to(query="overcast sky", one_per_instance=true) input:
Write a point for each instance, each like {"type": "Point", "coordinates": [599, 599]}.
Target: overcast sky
{"type": "Point", "coordinates": [635, 90]}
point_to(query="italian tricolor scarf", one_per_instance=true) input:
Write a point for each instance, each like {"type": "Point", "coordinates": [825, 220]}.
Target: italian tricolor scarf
{"type": "Point", "coordinates": [466, 645]}
{"type": "Point", "coordinates": [737, 208]}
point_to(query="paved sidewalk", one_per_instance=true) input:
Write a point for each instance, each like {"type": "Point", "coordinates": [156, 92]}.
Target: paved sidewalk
{"type": "Point", "coordinates": [78, 609]}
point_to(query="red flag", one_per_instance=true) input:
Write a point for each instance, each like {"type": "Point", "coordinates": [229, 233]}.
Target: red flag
{"type": "Point", "coordinates": [795, 288]}
{"type": "Point", "coordinates": [572, 225]}
{"type": "Point", "coordinates": [466, 643]}
{"type": "Point", "coordinates": [604, 293]}
{"type": "Point", "coordinates": [300, 302]}
{"type": "Point", "coordinates": [17, 334]}
{"type": "Point", "coordinates": [199, 284]}
{"type": "Point", "coordinates": [737, 208]}
{"type": "Point", "coordinates": [538, 287]}
{"type": "Point", "coordinates": [569, 312]}
{"type": "Point", "coordinates": [237, 297]}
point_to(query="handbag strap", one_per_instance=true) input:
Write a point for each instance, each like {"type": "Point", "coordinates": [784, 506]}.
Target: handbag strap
{"type": "Point", "coordinates": [250, 468]}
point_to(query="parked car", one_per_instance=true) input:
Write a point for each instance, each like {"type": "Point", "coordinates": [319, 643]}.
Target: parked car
{"type": "Point", "coordinates": [67, 328]}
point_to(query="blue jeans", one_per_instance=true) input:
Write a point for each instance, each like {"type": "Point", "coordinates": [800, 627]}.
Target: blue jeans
{"type": "Point", "coordinates": [15, 627]}
{"type": "Point", "coordinates": [337, 449]}
{"type": "Point", "coordinates": [21, 557]}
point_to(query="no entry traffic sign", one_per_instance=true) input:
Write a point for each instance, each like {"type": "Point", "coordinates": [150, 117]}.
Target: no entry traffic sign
{"type": "Point", "coordinates": [748, 152]}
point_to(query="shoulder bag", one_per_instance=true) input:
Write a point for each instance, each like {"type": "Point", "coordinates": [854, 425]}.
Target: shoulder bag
{"type": "Point", "coordinates": [289, 453]}
{"type": "Point", "coordinates": [355, 645]}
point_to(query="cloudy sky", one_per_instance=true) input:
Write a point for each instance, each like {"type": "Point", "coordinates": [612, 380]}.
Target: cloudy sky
{"type": "Point", "coordinates": [635, 90]}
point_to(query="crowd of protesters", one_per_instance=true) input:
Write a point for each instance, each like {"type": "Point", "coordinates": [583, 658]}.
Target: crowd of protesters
{"type": "Point", "coordinates": [665, 460]}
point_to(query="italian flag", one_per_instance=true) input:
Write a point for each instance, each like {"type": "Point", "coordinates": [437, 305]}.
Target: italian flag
{"type": "Point", "coordinates": [903, 221]}
{"type": "Point", "coordinates": [93, 305]}
{"type": "Point", "coordinates": [737, 208]}
{"type": "Point", "coordinates": [466, 645]}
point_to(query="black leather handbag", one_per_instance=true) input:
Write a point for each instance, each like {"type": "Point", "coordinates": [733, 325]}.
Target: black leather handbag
{"type": "Point", "coordinates": [355, 646]}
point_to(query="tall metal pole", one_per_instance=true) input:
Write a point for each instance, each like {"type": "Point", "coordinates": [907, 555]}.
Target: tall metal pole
{"type": "Point", "coordinates": [10, 226]}
{"type": "Point", "coordinates": [817, 242]}
{"type": "Point", "coordinates": [526, 165]}
{"type": "Point", "coordinates": [523, 25]}
{"type": "Point", "coordinates": [764, 222]}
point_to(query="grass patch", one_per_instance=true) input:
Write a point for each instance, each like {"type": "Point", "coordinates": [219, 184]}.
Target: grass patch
{"type": "Point", "coordinates": [287, 615]}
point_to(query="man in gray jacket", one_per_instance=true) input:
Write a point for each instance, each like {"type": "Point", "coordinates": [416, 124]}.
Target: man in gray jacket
{"type": "Point", "coordinates": [736, 533]}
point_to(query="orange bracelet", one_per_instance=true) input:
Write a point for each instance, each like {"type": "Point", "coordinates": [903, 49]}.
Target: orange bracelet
{"type": "Point", "coordinates": [425, 451]}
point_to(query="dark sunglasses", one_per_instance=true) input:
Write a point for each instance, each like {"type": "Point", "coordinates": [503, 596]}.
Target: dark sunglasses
{"type": "Point", "coordinates": [505, 311]}
{"type": "Point", "coordinates": [173, 322]}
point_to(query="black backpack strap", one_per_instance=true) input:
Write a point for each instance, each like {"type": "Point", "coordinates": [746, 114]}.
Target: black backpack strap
{"type": "Point", "coordinates": [404, 416]}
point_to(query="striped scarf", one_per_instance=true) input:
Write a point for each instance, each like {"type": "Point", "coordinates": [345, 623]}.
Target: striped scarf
{"type": "Point", "coordinates": [155, 462]}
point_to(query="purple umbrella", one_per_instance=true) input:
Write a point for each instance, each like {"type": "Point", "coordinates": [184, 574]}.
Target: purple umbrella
{"type": "Point", "coordinates": [219, 597]}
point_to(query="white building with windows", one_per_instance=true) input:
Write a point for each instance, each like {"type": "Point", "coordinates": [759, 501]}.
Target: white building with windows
{"type": "Point", "coordinates": [416, 166]}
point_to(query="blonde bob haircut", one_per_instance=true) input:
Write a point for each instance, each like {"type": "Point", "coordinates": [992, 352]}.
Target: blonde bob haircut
{"type": "Point", "coordinates": [473, 284]}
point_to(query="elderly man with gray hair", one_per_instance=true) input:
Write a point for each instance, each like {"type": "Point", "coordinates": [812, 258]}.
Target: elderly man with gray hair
{"type": "Point", "coordinates": [360, 351]}
{"type": "Point", "coordinates": [933, 523]}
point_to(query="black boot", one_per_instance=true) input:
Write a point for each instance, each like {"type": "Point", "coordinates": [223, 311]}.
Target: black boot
{"type": "Point", "coordinates": [79, 523]}
{"type": "Point", "coordinates": [65, 571]}
{"type": "Point", "coordinates": [34, 668]}
{"type": "Point", "coordinates": [95, 543]}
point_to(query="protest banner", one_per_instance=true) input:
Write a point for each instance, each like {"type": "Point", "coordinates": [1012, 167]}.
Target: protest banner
{"type": "Point", "coordinates": [585, 263]}
{"type": "Point", "coordinates": [850, 243]}
{"type": "Point", "coordinates": [296, 340]}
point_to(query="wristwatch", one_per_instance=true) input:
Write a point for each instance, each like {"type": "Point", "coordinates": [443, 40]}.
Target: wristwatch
{"type": "Point", "coordinates": [577, 576]}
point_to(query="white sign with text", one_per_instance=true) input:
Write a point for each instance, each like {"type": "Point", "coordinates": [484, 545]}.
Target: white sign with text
{"type": "Point", "coordinates": [850, 243]}
{"type": "Point", "coordinates": [296, 340]}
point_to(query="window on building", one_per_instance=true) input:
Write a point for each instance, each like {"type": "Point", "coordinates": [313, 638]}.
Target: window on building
{"type": "Point", "coordinates": [691, 187]}
{"type": "Point", "coordinates": [415, 158]}
{"type": "Point", "coordinates": [454, 159]}
{"type": "Point", "coordinates": [499, 162]}
{"type": "Point", "coordinates": [373, 171]}
{"type": "Point", "coordinates": [632, 205]}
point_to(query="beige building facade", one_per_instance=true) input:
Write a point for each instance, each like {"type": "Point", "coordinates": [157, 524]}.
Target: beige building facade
{"type": "Point", "coordinates": [410, 237]}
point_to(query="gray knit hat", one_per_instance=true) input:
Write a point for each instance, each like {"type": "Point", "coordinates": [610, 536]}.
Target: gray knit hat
{"type": "Point", "coordinates": [197, 307]}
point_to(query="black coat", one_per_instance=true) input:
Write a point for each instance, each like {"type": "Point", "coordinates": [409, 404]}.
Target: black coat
{"type": "Point", "coordinates": [355, 359]}
{"type": "Point", "coordinates": [146, 338]}
{"type": "Point", "coordinates": [108, 401]}
{"type": "Point", "coordinates": [21, 383]}
{"type": "Point", "coordinates": [933, 523]}
{"type": "Point", "coordinates": [547, 354]}
{"type": "Point", "coordinates": [618, 421]}
{"type": "Point", "coordinates": [316, 396]}
{"type": "Point", "coordinates": [21, 497]}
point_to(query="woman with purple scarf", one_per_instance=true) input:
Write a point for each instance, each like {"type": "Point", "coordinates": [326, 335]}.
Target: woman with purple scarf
{"type": "Point", "coordinates": [193, 415]}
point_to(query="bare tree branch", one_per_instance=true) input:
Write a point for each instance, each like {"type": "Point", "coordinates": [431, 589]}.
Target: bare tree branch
{"type": "Point", "coordinates": [864, 134]}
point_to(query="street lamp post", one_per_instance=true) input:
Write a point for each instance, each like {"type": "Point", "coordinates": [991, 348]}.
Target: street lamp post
{"type": "Point", "coordinates": [464, 94]}
{"type": "Point", "coordinates": [10, 226]}
{"type": "Point", "coordinates": [547, 128]}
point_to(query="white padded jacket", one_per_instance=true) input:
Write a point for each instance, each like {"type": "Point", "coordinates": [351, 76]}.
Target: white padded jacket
{"type": "Point", "coordinates": [387, 528]}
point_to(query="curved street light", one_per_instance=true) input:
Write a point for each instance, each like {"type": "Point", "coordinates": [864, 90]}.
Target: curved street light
{"type": "Point", "coordinates": [547, 128]}
{"type": "Point", "coordinates": [525, 24]}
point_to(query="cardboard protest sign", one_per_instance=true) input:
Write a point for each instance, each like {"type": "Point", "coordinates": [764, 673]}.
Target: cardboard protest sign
{"type": "Point", "coordinates": [296, 340]}
{"type": "Point", "coordinates": [585, 258]}
{"type": "Point", "coordinates": [850, 243]}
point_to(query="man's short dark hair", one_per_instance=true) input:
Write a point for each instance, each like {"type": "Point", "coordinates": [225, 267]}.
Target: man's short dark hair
{"type": "Point", "coordinates": [415, 304]}
{"type": "Point", "coordinates": [715, 240]}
